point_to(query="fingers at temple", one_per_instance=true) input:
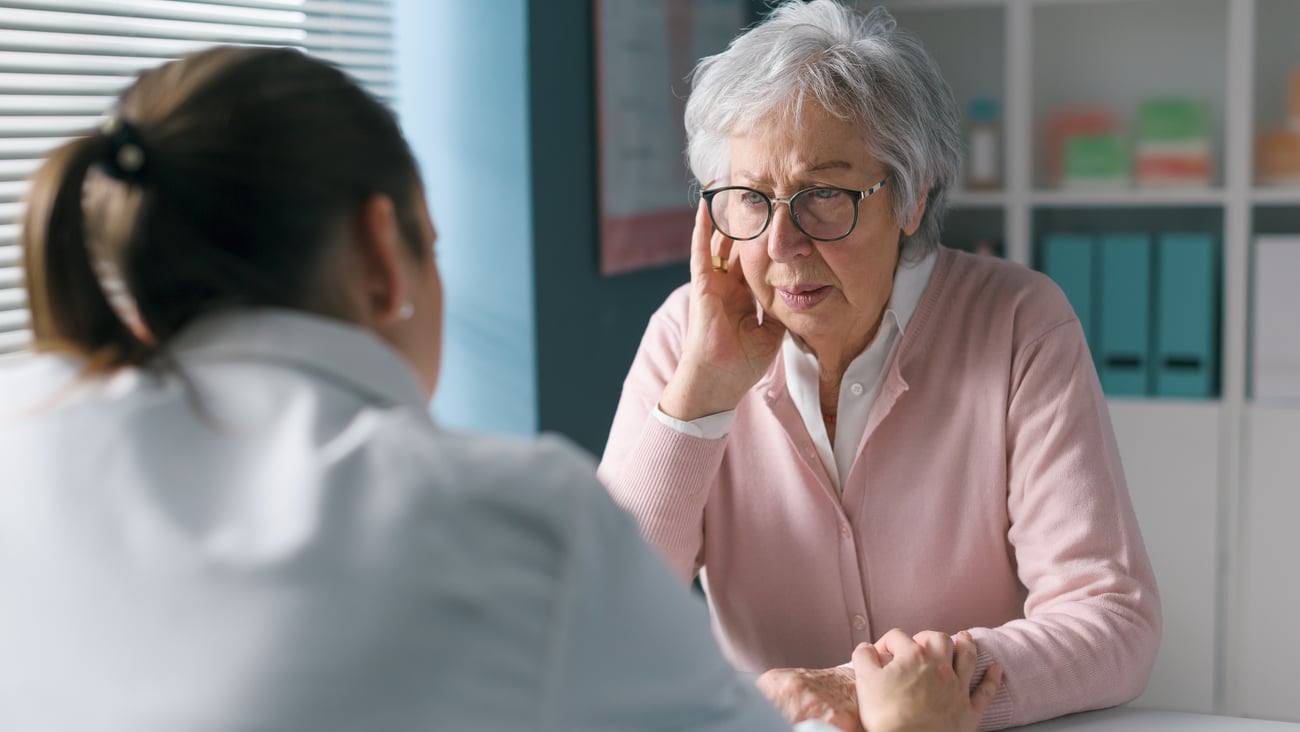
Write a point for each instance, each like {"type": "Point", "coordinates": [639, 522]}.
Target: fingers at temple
{"type": "Point", "coordinates": [701, 237]}
{"type": "Point", "coordinates": [727, 250]}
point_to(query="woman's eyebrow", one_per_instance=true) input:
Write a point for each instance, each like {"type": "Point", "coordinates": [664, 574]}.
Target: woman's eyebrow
{"type": "Point", "coordinates": [818, 168]}
{"type": "Point", "coordinates": [831, 165]}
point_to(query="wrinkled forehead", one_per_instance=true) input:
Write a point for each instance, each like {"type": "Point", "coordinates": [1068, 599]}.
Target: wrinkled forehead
{"type": "Point", "coordinates": [791, 142]}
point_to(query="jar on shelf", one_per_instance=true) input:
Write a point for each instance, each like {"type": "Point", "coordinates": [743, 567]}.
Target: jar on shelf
{"type": "Point", "coordinates": [983, 145]}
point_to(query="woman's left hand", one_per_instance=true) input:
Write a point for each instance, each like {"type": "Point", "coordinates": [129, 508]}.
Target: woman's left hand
{"type": "Point", "coordinates": [826, 694]}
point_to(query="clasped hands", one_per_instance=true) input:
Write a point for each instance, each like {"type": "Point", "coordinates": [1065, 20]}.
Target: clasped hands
{"type": "Point", "coordinates": [900, 683]}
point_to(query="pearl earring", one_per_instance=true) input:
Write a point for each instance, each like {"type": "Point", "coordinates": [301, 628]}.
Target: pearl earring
{"type": "Point", "coordinates": [406, 311]}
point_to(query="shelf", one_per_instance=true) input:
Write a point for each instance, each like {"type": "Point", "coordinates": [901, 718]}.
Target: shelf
{"type": "Point", "coordinates": [1213, 480]}
{"type": "Point", "coordinates": [1129, 197]}
{"type": "Point", "coordinates": [1144, 54]}
{"type": "Point", "coordinates": [1274, 406]}
{"type": "Point", "coordinates": [1268, 592]}
{"type": "Point", "coordinates": [1274, 409]}
{"type": "Point", "coordinates": [977, 199]}
{"type": "Point", "coordinates": [1275, 196]}
{"type": "Point", "coordinates": [1154, 437]}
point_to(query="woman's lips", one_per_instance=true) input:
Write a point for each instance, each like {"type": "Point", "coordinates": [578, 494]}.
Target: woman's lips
{"type": "Point", "coordinates": [803, 297]}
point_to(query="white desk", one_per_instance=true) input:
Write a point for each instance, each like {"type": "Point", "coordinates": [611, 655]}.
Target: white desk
{"type": "Point", "coordinates": [1149, 720]}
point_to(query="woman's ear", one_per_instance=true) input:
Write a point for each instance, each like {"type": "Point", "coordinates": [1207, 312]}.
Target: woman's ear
{"type": "Point", "coordinates": [378, 242]}
{"type": "Point", "coordinates": [914, 222]}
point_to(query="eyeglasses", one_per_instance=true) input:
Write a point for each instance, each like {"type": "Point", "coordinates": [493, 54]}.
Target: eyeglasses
{"type": "Point", "coordinates": [822, 213]}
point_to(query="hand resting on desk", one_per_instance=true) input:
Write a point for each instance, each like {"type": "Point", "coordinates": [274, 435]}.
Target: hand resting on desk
{"type": "Point", "coordinates": [901, 683]}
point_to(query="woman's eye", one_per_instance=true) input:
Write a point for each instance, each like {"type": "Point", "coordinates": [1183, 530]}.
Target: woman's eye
{"type": "Point", "coordinates": [753, 198]}
{"type": "Point", "coordinates": [826, 194]}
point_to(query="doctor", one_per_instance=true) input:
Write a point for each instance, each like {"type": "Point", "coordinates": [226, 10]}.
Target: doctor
{"type": "Point", "coordinates": [225, 506]}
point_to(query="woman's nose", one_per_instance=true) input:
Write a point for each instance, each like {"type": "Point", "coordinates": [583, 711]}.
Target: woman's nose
{"type": "Point", "coordinates": [785, 242]}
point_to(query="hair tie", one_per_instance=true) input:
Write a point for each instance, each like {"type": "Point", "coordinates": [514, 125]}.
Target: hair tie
{"type": "Point", "coordinates": [127, 157]}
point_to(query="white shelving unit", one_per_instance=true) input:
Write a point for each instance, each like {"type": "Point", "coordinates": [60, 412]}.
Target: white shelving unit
{"type": "Point", "coordinates": [1216, 483]}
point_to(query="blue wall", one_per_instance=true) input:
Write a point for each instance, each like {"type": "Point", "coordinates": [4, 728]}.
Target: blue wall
{"type": "Point", "coordinates": [462, 90]}
{"type": "Point", "coordinates": [589, 326]}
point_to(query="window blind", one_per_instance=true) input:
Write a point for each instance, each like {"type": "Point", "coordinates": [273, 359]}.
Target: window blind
{"type": "Point", "coordinates": [63, 62]}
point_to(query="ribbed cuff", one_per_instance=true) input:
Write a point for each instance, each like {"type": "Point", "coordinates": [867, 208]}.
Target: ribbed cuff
{"type": "Point", "coordinates": [998, 714]}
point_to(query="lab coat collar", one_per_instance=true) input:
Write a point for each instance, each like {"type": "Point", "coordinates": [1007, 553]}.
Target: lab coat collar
{"type": "Point", "coordinates": [323, 346]}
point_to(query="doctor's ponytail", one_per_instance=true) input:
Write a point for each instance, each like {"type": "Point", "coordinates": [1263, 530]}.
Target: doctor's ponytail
{"type": "Point", "coordinates": [69, 308]}
{"type": "Point", "coordinates": [222, 180]}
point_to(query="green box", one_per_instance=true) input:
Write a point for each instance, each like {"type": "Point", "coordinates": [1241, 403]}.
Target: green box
{"type": "Point", "coordinates": [1172, 119]}
{"type": "Point", "coordinates": [1096, 158]}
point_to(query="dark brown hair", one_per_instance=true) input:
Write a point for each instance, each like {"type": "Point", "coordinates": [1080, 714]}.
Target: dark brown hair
{"type": "Point", "coordinates": [253, 160]}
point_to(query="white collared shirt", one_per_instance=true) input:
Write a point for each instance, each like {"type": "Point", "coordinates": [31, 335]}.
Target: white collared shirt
{"type": "Point", "coordinates": [862, 378]}
{"type": "Point", "coordinates": [858, 388]}
{"type": "Point", "coordinates": [281, 540]}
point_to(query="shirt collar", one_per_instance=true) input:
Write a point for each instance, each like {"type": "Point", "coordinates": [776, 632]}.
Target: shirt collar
{"type": "Point", "coordinates": [332, 348]}
{"type": "Point", "coordinates": [909, 284]}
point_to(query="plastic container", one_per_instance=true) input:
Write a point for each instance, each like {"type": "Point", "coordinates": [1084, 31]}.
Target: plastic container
{"type": "Point", "coordinates": [983, 145]}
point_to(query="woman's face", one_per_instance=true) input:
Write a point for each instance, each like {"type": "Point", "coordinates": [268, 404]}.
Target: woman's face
{"type": "Point", "coordinates": [824, 292]}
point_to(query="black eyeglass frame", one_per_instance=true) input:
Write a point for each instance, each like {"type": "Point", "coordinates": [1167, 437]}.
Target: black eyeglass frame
{"type": "Point", "coordinates": [789, 202]}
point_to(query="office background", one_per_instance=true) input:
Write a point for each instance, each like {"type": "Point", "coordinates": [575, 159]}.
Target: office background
{"type": "Point", "coordinates": [497, 99]}
{"type": "Point", "coordinates": [539, 341]}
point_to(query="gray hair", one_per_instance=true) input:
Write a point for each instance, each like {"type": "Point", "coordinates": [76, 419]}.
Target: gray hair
{"type": "Point", "coordinates": [858, 67]}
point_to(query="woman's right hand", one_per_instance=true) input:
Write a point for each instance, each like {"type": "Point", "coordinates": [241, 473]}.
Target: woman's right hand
{"type": "Point", "coordinates": [729, 345]}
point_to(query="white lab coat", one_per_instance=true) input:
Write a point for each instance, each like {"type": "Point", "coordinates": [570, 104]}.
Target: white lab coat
{"type": "Point", "coordinates": [276, 538]}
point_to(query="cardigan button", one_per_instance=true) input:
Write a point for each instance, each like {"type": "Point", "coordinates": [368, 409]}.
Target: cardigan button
{"type": "Point", "coordinates": [859, 622]}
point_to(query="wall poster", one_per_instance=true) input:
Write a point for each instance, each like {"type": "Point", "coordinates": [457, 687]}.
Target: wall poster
{"type": "Point", "coordinates": [645, 50]}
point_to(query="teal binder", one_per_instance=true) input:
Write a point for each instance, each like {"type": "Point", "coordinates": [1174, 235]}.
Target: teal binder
{"type": "Point", "coordinates": [1124, 349]}
{"type": "Point", "coordinates": [1187, 316]}
{"type": "Point", "coordinates": [1070, 260]}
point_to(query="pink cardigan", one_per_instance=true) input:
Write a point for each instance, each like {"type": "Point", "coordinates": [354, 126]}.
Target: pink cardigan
{"type": "Point", "coordinates": [987, 495]}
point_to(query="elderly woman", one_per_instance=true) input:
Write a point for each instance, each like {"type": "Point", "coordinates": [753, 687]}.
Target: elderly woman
{"type": "Point", "coordinates": [843, 427]}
